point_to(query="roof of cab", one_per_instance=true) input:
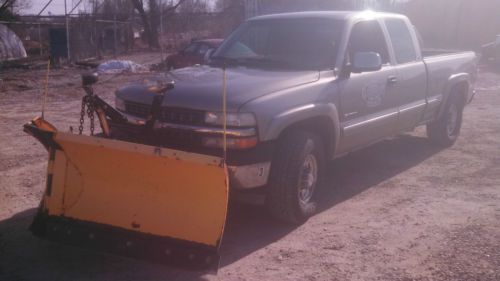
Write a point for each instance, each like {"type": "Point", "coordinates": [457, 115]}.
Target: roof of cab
{"type": "Point", "coordinates": [338, 15]}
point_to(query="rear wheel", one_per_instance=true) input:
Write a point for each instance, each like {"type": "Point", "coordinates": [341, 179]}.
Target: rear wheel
{"type": "Point", "coordinates": [296, 173]}
{"type": "Point", "coordinates": [446, 129]}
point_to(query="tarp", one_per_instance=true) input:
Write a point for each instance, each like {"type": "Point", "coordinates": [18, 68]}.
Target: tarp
{"type": "Point", "coordinates": [120, 66]}
{"type": "Point", "coordinates": [11, 47]}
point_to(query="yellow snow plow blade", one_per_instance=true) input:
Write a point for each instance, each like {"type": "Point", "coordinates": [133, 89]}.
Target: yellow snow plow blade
{"type": "Point", "coordinates": [131, 199]}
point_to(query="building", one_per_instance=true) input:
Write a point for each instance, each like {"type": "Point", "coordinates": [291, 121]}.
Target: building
{"type": "Point", "coordinates": [262, 7]}
{"type": "Point", "coordinates": [11, 47]}
{"type": "Point", "coordinates": [457, 24]}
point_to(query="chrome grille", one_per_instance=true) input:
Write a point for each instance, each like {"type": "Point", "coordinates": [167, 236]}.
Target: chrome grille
{"type": "Point", "coordinates": [182, 116]}
{"type": "Point", "coordinates": [168, 114]}
{"type": "Point", "coordinates": [137, 109]}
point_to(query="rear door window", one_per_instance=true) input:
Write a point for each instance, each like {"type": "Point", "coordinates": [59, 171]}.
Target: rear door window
{"type": "Point", "coordinates": [203, 49]}
{"type": "Point", "coordinates": [402, 41]}
{"type": "Point", "coordinates": [191, 49]}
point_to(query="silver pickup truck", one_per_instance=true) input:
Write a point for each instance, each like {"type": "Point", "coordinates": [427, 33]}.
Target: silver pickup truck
{"type": "Point", "coordinates": [303, 89]}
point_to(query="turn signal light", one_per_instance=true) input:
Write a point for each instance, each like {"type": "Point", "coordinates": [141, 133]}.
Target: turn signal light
{"type": "Point", "coordinates": [231, 143]}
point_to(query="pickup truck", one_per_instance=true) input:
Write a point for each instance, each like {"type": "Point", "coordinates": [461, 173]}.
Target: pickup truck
{"type": "Point", "coordinates": [491, 51]}
{"type": "Point", "coordinates": [303, 89]}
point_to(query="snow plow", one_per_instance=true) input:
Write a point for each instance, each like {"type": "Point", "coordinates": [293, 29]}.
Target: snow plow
{"type": "Point", "coordinates": [128, 198]}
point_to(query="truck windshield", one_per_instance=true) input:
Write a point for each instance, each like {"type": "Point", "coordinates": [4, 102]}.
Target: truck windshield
{"type": "Point", "coordinates": [306, 43]}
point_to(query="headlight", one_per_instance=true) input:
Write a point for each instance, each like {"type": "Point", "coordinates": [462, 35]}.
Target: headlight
{"type": "Point", "coordinates": [119, 104]}
{"type": "Point", "coordinates": [232, 119]}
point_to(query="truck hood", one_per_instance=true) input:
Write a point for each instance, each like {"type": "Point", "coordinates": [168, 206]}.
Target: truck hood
{"type": "Point", "coordinates": [200, 87]}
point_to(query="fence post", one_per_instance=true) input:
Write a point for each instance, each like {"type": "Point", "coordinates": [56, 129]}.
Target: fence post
{"type": "Point", "coordinates": [40, 40]}
{"type": "Point", "coordinates": [67, 31]}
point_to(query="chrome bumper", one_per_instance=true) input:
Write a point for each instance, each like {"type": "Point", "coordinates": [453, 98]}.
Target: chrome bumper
{"type": "Point", "coordinates": [249, 176]}
{"type": "Point", "coordinates": [474, 92]}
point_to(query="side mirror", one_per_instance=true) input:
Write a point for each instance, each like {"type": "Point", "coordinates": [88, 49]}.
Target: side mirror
{"type": "Point", "coordinates": [366, 62]}
{"type": "Point", "coordinates": [89, 79]}
{"type": "Point", "coordinates": [208, 55]}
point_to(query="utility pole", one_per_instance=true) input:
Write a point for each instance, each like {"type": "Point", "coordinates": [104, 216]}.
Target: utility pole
{"type": "Point", "coordinates": [114, 31]}
{"type": "Point", "coordinates": [161, 17]}
{"type": "Point", "coordinates": [67, 30]}
{"type": "Point", "coordinates": [40, 39]}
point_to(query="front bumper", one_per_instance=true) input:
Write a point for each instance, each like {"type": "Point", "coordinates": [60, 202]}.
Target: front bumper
{"type": "Point", "coordinates": [249, 176]}
{"type": "Point", "coordinates": [471, 97]}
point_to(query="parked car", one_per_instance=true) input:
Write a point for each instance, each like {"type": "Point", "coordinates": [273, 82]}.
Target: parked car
{"type": "Point", "coordinates": [193, 54]}
{"type": "Point", "coordinates": [303, 89]}
{"type": "Point", "coordinates": [491, 51]}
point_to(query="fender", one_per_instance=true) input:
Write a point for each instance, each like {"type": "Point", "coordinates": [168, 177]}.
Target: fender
{"type": "Point", "coordinates": [293, 116]}
{"type": "Point", "coordinates": [453, 81]}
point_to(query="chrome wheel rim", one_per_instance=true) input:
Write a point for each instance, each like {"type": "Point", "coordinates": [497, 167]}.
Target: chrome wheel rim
{"type": "Point", "coordinates": [308, 178]}
{"type": "Point", "coordinates": [452, 120]}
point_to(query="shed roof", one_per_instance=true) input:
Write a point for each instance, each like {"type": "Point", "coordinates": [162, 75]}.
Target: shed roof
{"type": "Point", "coordinates": [11, 47]}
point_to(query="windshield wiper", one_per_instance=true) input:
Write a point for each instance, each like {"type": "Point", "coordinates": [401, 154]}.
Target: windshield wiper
{"type": "Point", "coordinates": [253, 61]}
{"type": "Point", "coordinates": [228, 60]}
{"type": "Point", "coordinates": [267, 60]}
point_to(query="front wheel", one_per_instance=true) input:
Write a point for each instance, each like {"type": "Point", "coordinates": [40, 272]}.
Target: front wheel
{"type": "Point", "coordinates": [296, 173]}
{"type": "Point", "coordinates": [446, 129]}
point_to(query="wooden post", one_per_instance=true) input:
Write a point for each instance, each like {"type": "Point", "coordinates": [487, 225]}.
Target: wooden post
{"type": "Point", "coordinates": [67, 31]}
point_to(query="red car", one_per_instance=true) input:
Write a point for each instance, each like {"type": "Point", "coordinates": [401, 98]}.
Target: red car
{"type": "Point", "coordinates": [193, 54]}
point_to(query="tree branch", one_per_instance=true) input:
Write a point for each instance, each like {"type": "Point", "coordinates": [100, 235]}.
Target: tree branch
{"type": "Point", "coordinates": [174, 7]}
{"type": "Point", "coordinates": [6, 4]}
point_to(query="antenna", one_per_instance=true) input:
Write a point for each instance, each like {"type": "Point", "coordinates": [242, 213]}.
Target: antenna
{"type": "Point", "coordinates": [224, 112]}
{"type": "Point", "coordinates": [46, 90]}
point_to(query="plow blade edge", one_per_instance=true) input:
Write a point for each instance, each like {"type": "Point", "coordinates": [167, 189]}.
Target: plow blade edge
{"type": "Point", "coordinates": [141, 201]}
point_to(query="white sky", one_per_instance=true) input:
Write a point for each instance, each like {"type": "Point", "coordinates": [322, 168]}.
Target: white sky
{"type": "Point", "coordinates": [56, 7]}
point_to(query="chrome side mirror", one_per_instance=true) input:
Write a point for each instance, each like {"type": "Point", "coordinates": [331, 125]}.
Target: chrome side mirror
{"type": "Point", "coordinates": [366, 62]}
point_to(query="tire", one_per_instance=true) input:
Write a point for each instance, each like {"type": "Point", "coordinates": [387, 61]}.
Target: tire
{"type": "Point", "coordinates": [297, 172]}
{"type": "Point", "coordinates": [445, 131]}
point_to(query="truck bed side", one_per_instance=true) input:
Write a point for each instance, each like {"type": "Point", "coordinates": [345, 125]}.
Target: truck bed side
{"type": "Point", "coordinates": [444, 72]}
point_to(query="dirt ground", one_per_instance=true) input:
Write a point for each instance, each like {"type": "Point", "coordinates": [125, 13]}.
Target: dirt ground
{"type": "Point", "coordinates": [399, 210]}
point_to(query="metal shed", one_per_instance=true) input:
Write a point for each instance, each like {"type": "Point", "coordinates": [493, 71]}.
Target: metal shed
{"type": "Point", "coordinates": [11, 47]}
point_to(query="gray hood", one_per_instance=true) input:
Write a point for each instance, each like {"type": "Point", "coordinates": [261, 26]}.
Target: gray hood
{"type": "Point", "coordinates": [200, 87]}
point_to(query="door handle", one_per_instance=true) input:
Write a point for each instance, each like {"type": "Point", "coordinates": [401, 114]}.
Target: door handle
{"type": "Point", "coordinates": [392, 80]}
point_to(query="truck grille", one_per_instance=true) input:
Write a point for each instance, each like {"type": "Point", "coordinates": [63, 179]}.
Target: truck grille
{"type": "Point", "coordinates": [178, 138]}
{"type": "Point", "coordinates": [137, 109]}
{"type": "Point", "coordinates": [182, 116]}
{"type": "Point", "coordinates": [168, 115]}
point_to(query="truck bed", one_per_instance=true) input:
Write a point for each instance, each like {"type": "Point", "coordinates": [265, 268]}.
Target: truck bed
{"type": "Point", "coordinates": [442, 66]}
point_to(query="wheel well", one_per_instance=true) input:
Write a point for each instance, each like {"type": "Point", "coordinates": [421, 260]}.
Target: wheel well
{"type": "Point", "coordinates": [321, 126]}
{"type": "Point", "coordinates": [461, 89]}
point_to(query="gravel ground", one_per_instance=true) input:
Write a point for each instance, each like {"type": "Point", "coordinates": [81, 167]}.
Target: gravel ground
{"type": "Point", "coordinates": [399, 210]}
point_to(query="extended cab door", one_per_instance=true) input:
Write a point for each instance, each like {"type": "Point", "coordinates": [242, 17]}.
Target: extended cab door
{"type": "Point", "coordinates": [368, 102]}
{"type": "Point", "coordinates": [411, 83]}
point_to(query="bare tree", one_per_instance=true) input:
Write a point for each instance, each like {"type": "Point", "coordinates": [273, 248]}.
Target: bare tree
{"type": "Point", "coordinates": [10, 8]}
{"type": "Point", "coordinates": [151, 20]}
{"type": "Point", "coordinates": [194, 6]}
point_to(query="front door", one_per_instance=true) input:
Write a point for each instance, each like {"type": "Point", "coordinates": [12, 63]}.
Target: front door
{"type": "Point", "coordinates": [369, 102]}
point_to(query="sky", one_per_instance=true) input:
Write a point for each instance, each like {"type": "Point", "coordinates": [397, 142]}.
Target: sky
{"type": "Point", "coordinates": [55, 8]}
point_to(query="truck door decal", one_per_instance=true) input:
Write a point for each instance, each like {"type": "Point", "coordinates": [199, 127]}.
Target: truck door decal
{"type": "Point", "coordinates": [373, 94]}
